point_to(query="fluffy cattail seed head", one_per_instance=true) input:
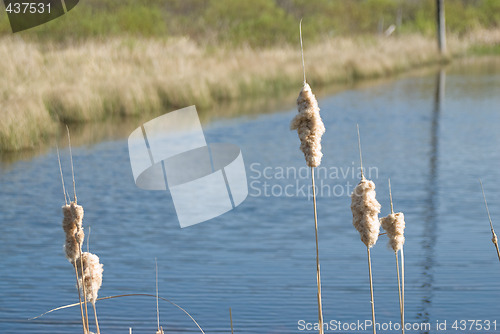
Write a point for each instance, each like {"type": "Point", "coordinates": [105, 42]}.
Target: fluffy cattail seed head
{"type": "Point", "coordinates": [71, 249]}
{"type": "Point", "coordinates": [67, 222]}
{"type": "Point", "coordinates": [92, 275]}
{"type": "Point", "coordinates": [394, 225]}
{"type": "Point", "coordinates": [365, 209]}
{"type": "Point", "coordinates": [309, 126]}
{"type": "Point", "coordinates": [71, 246]}
{"type": "Point", "coordinates": [77, 212]}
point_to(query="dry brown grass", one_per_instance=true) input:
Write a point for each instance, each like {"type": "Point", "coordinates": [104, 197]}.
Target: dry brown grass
{"type": "Point", "coordinates": [43, 85]}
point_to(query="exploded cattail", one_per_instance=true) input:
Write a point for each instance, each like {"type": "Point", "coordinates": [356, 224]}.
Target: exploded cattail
{"type": "Point", "coordinates": [72, 226]}
{"type": "Point", "coordinates": [309, 126]}
{"type": "Point", "coordinates": [365, 209]}
{"type": "Point", "coordinates": [92, 276]}
{"type": "Point", "coordinates": [77, 212]}
{"type": "Point", "coordinates": [394, 225]}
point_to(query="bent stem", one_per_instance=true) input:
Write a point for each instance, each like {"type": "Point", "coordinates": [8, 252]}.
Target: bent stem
{"type": "Point", "coordinates": [318, 275]}
{"type": "Point", "coordinates": [371, 289]}
{"type": "Point", "coordinates": [120, 296]}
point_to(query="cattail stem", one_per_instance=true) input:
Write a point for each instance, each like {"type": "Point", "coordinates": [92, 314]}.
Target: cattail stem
{"type": "Point", "coordinates": [62, 177]}
{"type": "Point", "coordinates": [157, 307]}
{"type": "Point", "coordinates": [400, 283]}
{"type": "Point", "coordinates": [95, 317]}
{"type": "Point", "coordinates": [231, 320]}
{"type": "Point", "coordinates": [402, 289]}
{"type": "Point", "coordinates": [371, 289]}
{"type": "Point", "coordinates": [401, 310]}
{"type": "Point", "coordinates": [302, 51]}
{"type": "Point", "coordinates": [83, 287]}
{"type": "Point", "coordinates": [318, 275]}
{"type": "Point", "coordinates": [72, 168]}
{"type": "Point", "coordinates": [80, 300]}
{"type": "Point", "coordinates": [390, 197]}
{"type": "Point", "coordinates": [360, 154]}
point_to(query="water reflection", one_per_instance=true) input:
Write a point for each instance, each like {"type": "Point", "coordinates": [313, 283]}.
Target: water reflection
{"type": "Point", "coordinates": [430, 217]}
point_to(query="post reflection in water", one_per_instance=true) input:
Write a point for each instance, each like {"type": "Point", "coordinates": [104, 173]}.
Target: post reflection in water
{"type": "Point", "coordinates": [430, 218]}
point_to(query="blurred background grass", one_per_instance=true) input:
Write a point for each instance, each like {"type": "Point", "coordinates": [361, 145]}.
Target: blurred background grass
{"type": "Point", "coordinates": [130, 58]}
{"type": "Point", "coordinates": [258, 23]}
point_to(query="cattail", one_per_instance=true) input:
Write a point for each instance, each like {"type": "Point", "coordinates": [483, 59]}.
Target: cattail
{"type": "Point", "coordinates": [77, 212]}
{"type": "Point", "coordinates": [365, 209]}
{"type": "Point", "coordinates": [92, 276]}
{"type": "Point", "coordinates": [394, 225]}
{"type": "Point", "coordinates": [71, 246]}
{"type": "Point", "coordinates": [309, 126]}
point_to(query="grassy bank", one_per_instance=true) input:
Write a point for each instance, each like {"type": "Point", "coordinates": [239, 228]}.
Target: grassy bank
{"type": "Point", "coordinates": [45, 84]}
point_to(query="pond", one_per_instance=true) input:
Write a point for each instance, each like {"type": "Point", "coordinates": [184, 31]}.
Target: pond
{"type": "Point", "coordinates": [434, 134]}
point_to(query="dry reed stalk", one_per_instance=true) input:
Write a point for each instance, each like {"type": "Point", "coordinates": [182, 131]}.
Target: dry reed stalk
{"type": "Point", "coordinates": [494, 238]}
{"type": "Point", "coordinates": [310, 129]}
{"type": "Point", "coordinates": [365, 209]}
{"type": "Point", "coordinates": [160, 329]}
{"type": "Point", "coordinates": [70, 239]}
{"type": "Point", "coordinates": [394, 226]}
{"type": "Point", "coordinates": [231, 320]}
{"type": "Point", "coordinates": [77, 211]}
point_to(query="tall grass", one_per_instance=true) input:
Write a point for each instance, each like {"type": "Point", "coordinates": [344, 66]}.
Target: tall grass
{"type": "Point", "coordinates": [44, 84]}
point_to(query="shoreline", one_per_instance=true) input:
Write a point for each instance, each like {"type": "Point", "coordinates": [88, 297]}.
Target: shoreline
{"type": "Point", "coordinates": [45, 85]}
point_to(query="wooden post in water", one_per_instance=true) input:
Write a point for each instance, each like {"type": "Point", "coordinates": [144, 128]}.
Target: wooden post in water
{"type": "Point", "coordinates": [441, 26]}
